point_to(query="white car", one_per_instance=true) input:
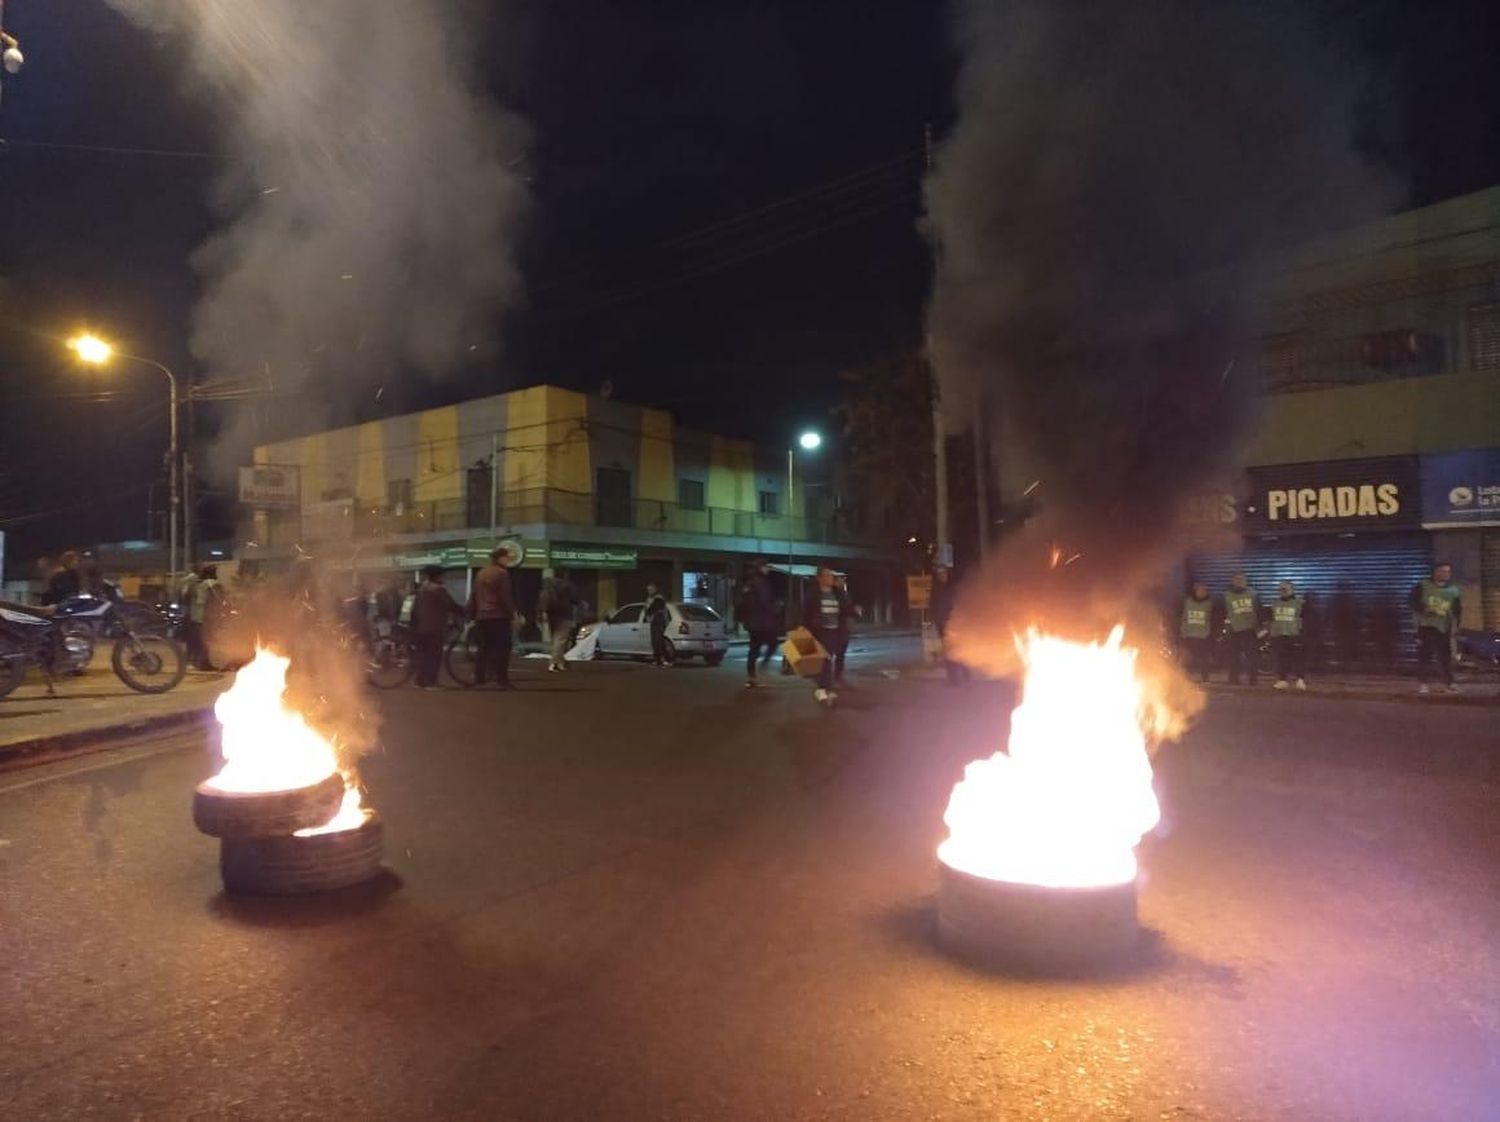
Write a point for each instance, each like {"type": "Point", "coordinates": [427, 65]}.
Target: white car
{"type": "Point", "coordinates": [693, 631]}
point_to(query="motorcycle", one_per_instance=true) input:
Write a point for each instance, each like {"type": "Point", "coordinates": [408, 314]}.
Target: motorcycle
{"type": "Point", "coordinates": [146, 661]}
{"type": "Point", "coordinates": [92, 619]}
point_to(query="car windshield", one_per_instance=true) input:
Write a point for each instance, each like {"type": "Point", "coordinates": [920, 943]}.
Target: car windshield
{"type": "Point", "coordinates": [698, 613]}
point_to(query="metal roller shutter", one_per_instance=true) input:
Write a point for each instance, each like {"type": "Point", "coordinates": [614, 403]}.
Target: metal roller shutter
{"type": "Point", "coordinates": [1489, 580]}
{"type": "Point", "coordinates": [1357, 590]}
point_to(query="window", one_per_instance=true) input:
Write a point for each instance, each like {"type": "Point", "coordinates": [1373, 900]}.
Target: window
{"type": "Point", "coordinates": [630, 613]}
{"type": "Point", "coordinates": [1484, 337]}
{"type": "Point", "coordinates": [398, 494]}
{"type": "Point", "coordinates": [698, 613]}
{"type": "Point", "coordinates": [770, 503]}
{"type": "Point", "coordinates": [612, 497]}
{"type": "Point", "coordinates": [690, 494]}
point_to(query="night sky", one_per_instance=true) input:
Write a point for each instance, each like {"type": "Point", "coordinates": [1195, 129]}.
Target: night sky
{"type": "Point", "coordinates": [725, 206]}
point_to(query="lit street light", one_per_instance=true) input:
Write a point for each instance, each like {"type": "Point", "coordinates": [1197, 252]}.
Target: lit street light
{"type": "Point", "coordinates": [809, 441]}
{"type": "Point", "coordinates": [94, 351]}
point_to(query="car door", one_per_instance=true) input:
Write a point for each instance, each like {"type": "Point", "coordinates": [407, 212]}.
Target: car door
{"type": "Point", "coordinates": [624, 633]}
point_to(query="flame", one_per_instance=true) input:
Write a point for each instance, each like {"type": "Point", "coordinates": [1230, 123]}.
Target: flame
{"type": "Point", "coordinates": [266, 745]}
{"type": "Point", "coordinates": [350, 815]}
{"type": "Point", "coordinates": [1072, 798]}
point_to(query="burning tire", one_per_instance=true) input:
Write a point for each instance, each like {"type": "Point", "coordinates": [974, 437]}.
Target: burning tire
{"type": "Point", "coordinates": [1035, 927]}
{"type": "Point", "coordinates": [266, 814]}
{"type": "Point", "coordinates": [297, 864]}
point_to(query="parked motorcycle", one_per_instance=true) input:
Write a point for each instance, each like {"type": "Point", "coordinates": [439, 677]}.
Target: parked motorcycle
{"type": "Point", "coordinates": [147, 662]}
{"type": "Point", "coordinates": [92, 619]}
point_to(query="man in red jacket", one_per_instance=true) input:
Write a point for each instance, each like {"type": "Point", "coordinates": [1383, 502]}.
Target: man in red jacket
{"type": "Point", "coordinates": [493, 609]}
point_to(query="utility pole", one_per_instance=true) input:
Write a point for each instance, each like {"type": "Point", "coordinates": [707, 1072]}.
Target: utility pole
{"type": "Point", "coordinates": [942, 551]}
{"type": "Point", "coordinates": [982, 476]}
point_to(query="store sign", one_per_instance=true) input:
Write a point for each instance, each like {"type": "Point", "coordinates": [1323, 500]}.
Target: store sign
{"type": "Point", "coordinates": [593, 557]}
{"type": "Point", "coordinates": [268, 486]}
{"type": "Point", "coordinates": [918, 591]}
{"type": "Point", "coordinates": [1461, 488]}
{"type": "Point", "coordinates": [1344, 495]}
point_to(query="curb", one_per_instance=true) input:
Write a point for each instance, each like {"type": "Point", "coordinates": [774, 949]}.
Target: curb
{"type": "Point", "coordinates": [1335, 693]}
{"type": "Point", "coordinates": [45, 749]}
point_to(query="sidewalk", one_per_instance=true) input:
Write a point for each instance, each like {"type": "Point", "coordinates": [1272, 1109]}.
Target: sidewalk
{"type": "Point", "coordinates": [93, 707]}
{"type": "Point", "coordinates": [1388, 687]}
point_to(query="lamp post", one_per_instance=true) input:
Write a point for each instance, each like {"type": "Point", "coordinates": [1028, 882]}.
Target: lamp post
{"type": "Point", "coordinates": [94, 351]}
{"type": "Point", "coordinates": [809, 441]}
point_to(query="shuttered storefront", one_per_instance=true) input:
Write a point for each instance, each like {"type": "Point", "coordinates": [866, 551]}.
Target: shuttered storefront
{"type": "Point", "coordinates": [1489, 581]}
{"type": "Point", "coordinates": [1357, 589]}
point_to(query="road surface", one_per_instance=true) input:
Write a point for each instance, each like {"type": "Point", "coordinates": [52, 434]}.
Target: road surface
{"type": "Point", "coordinates": [628, 893]}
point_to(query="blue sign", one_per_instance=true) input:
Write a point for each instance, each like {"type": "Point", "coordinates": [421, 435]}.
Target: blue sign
{"type": "Point", "coordinates": [1461, 488]}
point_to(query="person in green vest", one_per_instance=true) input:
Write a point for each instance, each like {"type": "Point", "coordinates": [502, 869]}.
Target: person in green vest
{"type": "Point", "coordinates": [1196, 629]}
{"type": "Point", "coordinates": [1242, 617]}
{"type": "Point", "coordinates": [1439, 609]}
{"type": "Point", "coordinates": [1287, 612]}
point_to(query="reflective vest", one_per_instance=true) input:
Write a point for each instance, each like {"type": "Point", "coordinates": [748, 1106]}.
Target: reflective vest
{"type": "Point", "coordinates": [1437, 602]}
{"type": "Point", "coordinates": [1196, 615]}
{"type": "Point", "coordinates": [1286, 615]}
{"type": "Point", "coordinates": [1241, 610]}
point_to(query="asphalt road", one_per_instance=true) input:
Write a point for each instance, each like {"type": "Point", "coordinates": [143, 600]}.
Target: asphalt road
{"type": "Point", "coordinates": [627, 893]}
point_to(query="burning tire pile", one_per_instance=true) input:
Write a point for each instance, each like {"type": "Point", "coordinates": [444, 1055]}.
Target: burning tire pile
{"type": "Point", "coordinates": [288, 820]}
{"type": "Point", "coordinates": [1039, 871]}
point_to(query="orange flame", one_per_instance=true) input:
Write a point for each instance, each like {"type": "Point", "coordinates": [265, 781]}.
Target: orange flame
{"type": "Point", "coordinates": [1070, 801]}
{"type": "Point", "coordinates": [268, 746]}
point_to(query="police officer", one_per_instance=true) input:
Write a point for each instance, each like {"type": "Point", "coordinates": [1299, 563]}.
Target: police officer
{"type": "Point", "coordinates": [1438, 608]}
{"type": "Point", "coordinates": [1242, 616]}
{"type": "Point", "coordinates": [1286, 636]}
{"type": "Point", "coordinates": [1196, 629]}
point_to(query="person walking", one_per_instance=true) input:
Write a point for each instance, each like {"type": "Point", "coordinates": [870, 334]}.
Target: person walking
{"type": "Point", "coordinates": [493, 609]}
{"type": "Point", "coordinates": [825, 612]}
{"type": "Point", "coordinates": [758, 610]}
{"type": "Point", "coordinates": [657, 618]}
{"type": "Point", "coordinates": [433, 607]}
{"type": "Point", "coordinates": [1196, 630]}
{"type": "Point", "coordinates": [1242, 616]}
{"type": "Point", "coordinates": [1439, 609]}
{"type": "Point", "coordinates": [558, 604]}
{"type": "Point", "coordinates": [1287, 620]}
{"type": "Point", "coordinates": [944, 594]}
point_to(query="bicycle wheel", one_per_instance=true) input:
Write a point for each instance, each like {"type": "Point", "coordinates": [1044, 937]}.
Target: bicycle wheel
{"type": "Point", "coordinates": [391, 664]}
{"type": "Point", "coordinates": [462, 658]}
{"type": "Point", "coordinates": [148, 663]}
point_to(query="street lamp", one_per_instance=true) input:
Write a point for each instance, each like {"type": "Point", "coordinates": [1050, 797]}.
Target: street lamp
{"type": "Point", "coordinates": [809, 441]}
{"type": "Point", "coordinates": [94, 351]}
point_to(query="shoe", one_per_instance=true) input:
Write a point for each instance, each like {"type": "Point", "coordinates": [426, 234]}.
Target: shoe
{"type": "Point", "coordinates": [1281, 684]}
{"type": "Point", "coordinates": [821, 694]}
{"type": "Point", "coordinates": [1423, 688]}
{"type": "Point", "coordinates": [751, 684]}
{"type": "Point", "coordinates": [553, 669]}
{"type": "Point", "coordinates": [1302, 683]}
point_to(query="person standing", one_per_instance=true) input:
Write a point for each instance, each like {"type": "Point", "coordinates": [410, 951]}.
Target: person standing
{"type": "Point", "coordinates": [493, 609]}
{"type": "Point", "coordinates": [1287, 614]}
{"type": "Point", "coordinates": [202, 601]}
{"type": "Point", "coordinates": [1439, 610]}
{"type": "Point", "coordinates": [1242, 616]}
{"type": "Point", "coordinates": [192, 631]}
{"type": "Point", "coordinates": [825, 612]}
{"type": "Point", "coordinates": [559, 605]}
{"type": "Point", "coordinates": [1196, 630]}
{"type": "Point", "coordinates": [433, 607]}
{"type": "Point", "coordinates": [944, 594]}
{"type": "Point", "coordinates": [657, 618]}
{"type": "Point", "coordinates": [761, 614]}
{"type": "Point", "coordinates": [64, 582]}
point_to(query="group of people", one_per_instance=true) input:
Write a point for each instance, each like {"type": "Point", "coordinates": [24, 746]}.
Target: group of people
{"type": "Point", "coordinates": [1243, 619]}
{"type": "Point", "coordinates": [826, 612]}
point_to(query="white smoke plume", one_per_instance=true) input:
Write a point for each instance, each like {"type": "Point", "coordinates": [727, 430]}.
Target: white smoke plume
{"type": "Point", "coordinates": [370, 212]}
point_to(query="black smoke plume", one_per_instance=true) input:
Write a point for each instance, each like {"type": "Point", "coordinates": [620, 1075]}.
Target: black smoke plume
{"type": "Point", "coordinates": [1105, 213]}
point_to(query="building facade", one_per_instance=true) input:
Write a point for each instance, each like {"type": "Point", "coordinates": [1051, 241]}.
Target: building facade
{"type": "Point", "coordinates": [1377, 446]}
{"type": "Point", "coordinates": [618, 495]}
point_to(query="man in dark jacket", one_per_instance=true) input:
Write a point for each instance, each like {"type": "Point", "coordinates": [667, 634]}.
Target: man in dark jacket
{"type": "Point", "coordinates": [493, 609]}
{"type": "Point", "coordinates": [559, 606]}
{"type": "Point", "coordinates": [826, 613]}
{"type": "Point", "coordinates": [65, 581]}
{"type": "Point", "coordinates": [759, 611]}
{"type": "Point", "coordinates": [431, 610]}
{"type": "Point", "coordinates": [657, 618]}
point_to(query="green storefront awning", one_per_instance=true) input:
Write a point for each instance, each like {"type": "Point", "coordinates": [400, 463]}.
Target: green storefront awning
{"type": "Point", "coordinates": [593, 556]}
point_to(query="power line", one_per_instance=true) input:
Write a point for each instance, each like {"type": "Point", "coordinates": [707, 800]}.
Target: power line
{"type": "Point", "coordinates": [119, 150]}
